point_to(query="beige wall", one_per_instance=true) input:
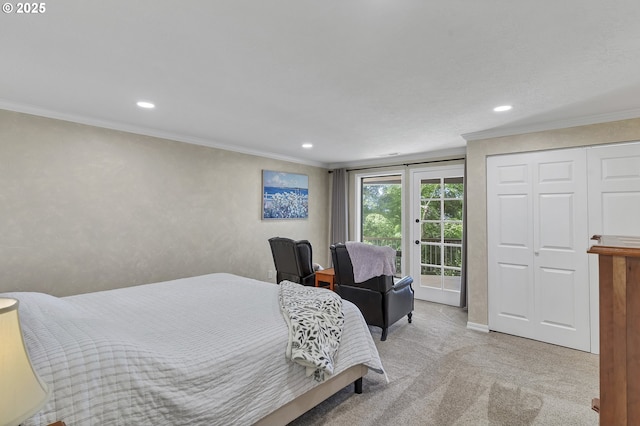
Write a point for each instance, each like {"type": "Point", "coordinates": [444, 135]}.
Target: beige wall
{"type": "Point", "coordinates": [84, 208]}
{"type": "Point", "coordinates": [477, 152]}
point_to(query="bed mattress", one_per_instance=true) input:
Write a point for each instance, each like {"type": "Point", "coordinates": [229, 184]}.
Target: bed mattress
{"type": "Point", "coordinates": [200, 351]}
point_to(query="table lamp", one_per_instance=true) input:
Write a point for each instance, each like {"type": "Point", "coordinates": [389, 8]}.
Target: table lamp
{"type": "Point", "coordinates": [22, 393]}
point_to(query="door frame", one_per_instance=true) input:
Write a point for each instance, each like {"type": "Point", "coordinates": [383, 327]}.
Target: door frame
{"type": "Point", "coordinates": [358, 205]}
{"type": "Point", "coordinates": [415, 232]}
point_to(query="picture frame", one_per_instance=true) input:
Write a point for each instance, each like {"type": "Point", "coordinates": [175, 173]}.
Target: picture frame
{"type": "Point", "coordinates": [284, 195]}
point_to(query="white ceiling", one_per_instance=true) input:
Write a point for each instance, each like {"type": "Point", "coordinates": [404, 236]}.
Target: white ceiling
{"type": "Point", "coordinates": [360, 80]}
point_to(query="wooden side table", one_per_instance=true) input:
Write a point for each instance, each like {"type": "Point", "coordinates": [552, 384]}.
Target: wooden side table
{"type": "Point", "coordinates": [326, 276]}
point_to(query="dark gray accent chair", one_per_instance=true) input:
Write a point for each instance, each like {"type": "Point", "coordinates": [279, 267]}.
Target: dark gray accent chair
{"type": "Point", "coordinates": [381, 301]}
{"type": "Point", "coordinates": [292, 260]}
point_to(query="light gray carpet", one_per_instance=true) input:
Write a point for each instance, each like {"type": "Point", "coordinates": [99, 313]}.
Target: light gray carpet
{"type": "Point", "coordinates": [440, 373]}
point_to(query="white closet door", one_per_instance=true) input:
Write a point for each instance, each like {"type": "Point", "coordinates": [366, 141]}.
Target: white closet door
{"type": "Point", "coordinates": [560, 248]}
{"type": "Point", "coordinates": [510, 245]}
{"type": "Point", "coordinates": [537, 243]}
{"type": "Point", "coordinates": [614, 204]}
{"type": "Point", "coordinates": [614, 182]}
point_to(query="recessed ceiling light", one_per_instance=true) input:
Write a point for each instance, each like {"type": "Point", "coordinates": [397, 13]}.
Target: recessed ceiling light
{"type": "Point", "coordinates": [307, 145]}
{"type": "Point", "coordinates": [145, 104]}
{"type": "Point", "coordinates": [502, 108]}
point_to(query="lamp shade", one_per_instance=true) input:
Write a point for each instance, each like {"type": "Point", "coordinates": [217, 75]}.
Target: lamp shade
{"type": "Point", "coordinates": [22, 393]}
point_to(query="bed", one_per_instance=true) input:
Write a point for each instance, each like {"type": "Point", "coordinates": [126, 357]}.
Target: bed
{"type": "Point", "coordinates": [205, 350]}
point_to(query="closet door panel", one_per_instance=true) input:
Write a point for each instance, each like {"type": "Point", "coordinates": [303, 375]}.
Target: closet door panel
{"type": "Point", "coordinates": [560, 246]}
{"type": "Point", "coordinates": [557, 289]}
{"type": "Point", "coordinates": [619, 212]}
{"type": "Point", "coordinates": [614, 186]}
{"type": "Point", "coordinates": [556, 233]}
{"type": "Point", "coordinates": [614, 205]}
{"type": "Point", "coordinates": [510, 242]}
{"type": "Point", "coordinates": [513, 293]}
{"type": "Point", "coordinates": [512, 231]}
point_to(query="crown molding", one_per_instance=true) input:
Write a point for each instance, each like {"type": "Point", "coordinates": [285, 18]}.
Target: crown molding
{"type": "Point", "coordinates": [112, 125]}
{"type": "Point", "coordinates": [552, 125]}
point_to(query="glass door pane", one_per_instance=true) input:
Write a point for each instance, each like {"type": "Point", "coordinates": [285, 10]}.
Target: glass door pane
{"type": "Point", "coordinates": [381, 211]}
{"type": "Point", "coordinates": [439, 235]}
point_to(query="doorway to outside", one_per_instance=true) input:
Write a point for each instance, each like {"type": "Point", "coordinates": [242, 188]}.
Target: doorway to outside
{"type": "Point", "coordinates": [380, 218]}
{"type": "Point", "coordinates": [436, 232]}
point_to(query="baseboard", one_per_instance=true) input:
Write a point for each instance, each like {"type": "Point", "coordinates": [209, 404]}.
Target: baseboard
{"type": "Point", "coordinates": [478, 327]}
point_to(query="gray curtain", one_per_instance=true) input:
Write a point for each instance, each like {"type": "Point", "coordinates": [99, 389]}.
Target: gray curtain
{"type": "Point", "coordinates": [339, 231]}
{"type": "Point", "coordinates": [463, 275]}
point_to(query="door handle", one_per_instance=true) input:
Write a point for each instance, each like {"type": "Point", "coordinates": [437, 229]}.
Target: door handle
{"type": "Point", "coordinates": [418, 242]}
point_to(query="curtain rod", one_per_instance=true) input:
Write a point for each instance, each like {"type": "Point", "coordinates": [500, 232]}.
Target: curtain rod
{"type": "Point", "coordinates": [403, 164]}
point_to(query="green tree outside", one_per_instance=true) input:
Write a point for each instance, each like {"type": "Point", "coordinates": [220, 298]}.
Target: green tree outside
{"type": "Point", "coordinates": [382, 218]}
{"type": "Point", "coordinates": [442, 211]}
{"type": "Point", "coordinates": [382, 211]}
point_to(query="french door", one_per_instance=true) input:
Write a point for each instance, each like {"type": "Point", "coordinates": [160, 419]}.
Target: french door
{"type": "Point", "coordinates": [437, 197]}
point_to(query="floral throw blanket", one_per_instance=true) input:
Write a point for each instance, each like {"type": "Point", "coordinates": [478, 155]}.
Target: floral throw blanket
{"type": "Point", "coordinates": [315, 319]}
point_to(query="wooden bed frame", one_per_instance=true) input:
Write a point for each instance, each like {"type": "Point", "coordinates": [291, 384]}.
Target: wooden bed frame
{"type": "Point", "coordinates": [315, 396]}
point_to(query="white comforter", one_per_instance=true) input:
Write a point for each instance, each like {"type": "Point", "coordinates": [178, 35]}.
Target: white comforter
{"type": "Point", "coordinates": [199, 351]}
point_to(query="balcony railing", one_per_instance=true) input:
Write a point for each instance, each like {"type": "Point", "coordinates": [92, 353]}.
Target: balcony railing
{"type": "Point", "coordinates": [430, 255]}
{"type": "Point", "coordinates": [395, 243]}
